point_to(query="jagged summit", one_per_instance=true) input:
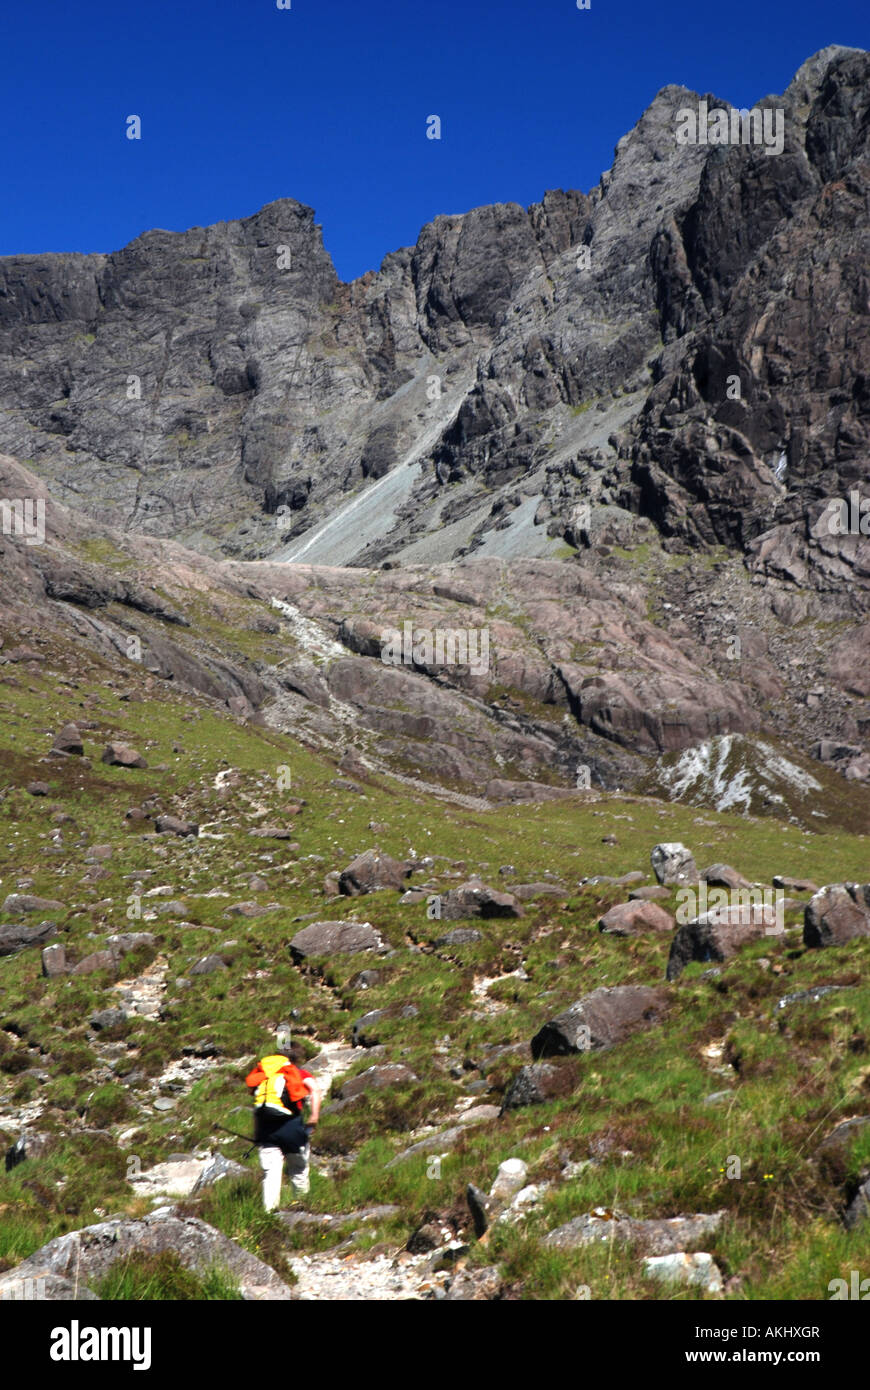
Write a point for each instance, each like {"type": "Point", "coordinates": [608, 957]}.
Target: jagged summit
{"type": "Point", "coordinates": [510, 366]}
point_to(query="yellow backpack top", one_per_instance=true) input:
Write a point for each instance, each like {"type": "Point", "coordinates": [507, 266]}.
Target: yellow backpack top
{"type": "Point", "coordinates": [277, 1081]}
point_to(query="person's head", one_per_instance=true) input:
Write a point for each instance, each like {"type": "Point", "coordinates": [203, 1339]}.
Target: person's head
{"type": "Point", "coordinates": [296, 1055]}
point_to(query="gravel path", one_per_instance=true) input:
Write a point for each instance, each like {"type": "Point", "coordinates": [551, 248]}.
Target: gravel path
{"type": "Point", "coordinates": [343, 1277]}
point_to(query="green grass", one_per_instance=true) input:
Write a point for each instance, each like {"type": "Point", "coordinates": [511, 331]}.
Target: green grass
{"type": "Point", "coordinates": [638, 1111]}
{"type": "Point", "coordinates": [163, 1277]}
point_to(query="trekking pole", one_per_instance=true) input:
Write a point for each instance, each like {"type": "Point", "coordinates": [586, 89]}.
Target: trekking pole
{"type": "Point", "coordinates": [236, 1135]}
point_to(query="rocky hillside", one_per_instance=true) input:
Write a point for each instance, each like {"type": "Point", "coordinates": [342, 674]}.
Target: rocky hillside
{"type": "Point", "coordinates": [592, 677]}
{"type": "Point", "coordinates": [546, 1079]}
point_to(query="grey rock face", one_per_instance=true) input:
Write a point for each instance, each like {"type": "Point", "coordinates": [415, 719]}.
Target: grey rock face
{"type": "Point", "coordinates": [282, 391]}
{"type": "Point", "coordinates": [171, 825]}
{"type": "Point", "coordinates": [858, 1210]}
{"type": "Point", "coordinates": [52, 1288]}
{"type": "Point", "coordinates": [208, 965]}
{"type": "Point", "coordinates": [30, 1145]}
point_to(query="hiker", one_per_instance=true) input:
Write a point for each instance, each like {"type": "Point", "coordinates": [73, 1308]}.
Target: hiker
{"type": "Point", "coordinates": [282, 1089]}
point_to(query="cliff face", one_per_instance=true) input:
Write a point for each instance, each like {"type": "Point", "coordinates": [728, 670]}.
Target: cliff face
{"type": "Point", "coordinates": [222, 386]}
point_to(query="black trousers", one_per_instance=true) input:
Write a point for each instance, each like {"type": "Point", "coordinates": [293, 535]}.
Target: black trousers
{"type": "Point", "coordinates": [286, 1132]}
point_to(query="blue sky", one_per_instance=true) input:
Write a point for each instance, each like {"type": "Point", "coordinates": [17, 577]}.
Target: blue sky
{"type": "Point", "coordinates": [242, 103]}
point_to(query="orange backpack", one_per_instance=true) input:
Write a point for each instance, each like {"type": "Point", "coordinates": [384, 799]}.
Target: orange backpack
{"type": "Point", "coordinates": [277, 1081]}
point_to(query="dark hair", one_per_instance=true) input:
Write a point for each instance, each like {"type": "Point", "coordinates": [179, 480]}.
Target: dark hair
{"type": "Point", "coordinates": [296, 1054]}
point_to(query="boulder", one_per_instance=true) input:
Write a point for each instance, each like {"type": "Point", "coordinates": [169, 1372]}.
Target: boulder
{"type": "Point", "coordinates": [601, 1019]}
{"type": "Point", "coordinates": [857, 1212]}
{"type": "Point", "coordinates": [364, 1032]}
{"type": "Point", "coordinates": [533, 1085]}
{"type": "Point", "coordinates": [460, 936]}
{"type": "Point", "coordinates": [334, 939]}
{"type": "Point", "coordinates": [652, 1237]}
{"type": "Point", "coordinates": [69, 741]}
{"type": "Point", "coordinates": [88, 1255]}
{"type": "Point", "coordinates": [37, 789]}
{"type": "Point", "coordinates": [843, 1134]}
{"type": "Point", "coordinates": [365, 979]}
{"type": "Point", "coordinates": [370, 872]}
{"type": "Point", "coordinates": [511, 1177]}
{"type": "Point", "coordinates": [443, 1141]}
{"type": "Point", "coordinates": [32, 1144]}
{"type": "Point", "coordinates": [215, 1169]}
{"type": "Point", "coordinates": [674, 864]}
{"type": "Point", "coordinates": [836, 914]}
{"type": "Point", "coordinates": [481, 1207]}
{"type": "Point", "coordinates": [720, 934]}
{"type": "Point", "coordinates": [98, 960]}
{"type": "Point", "coordinates": [14, 939]}
{"type": "Point", "coordinates": [207, 965]}
{"type": "Point", "coordinates": [477, 899]}
{"type": "Point", "coordinates": [649, 893]}
{"type": "Point", "coordinates": [107, 1018]}
{"type": "Point", "coordinates": [476, 1114]}
{"type": "Point", "coordinates": [171, 825]}
{"type": "Point", "coordinates": [43, 1287]}
{"type": "Point", "coordinates": [375, 1078]}
{"type": "Point", "coordinates": [680, 1268]}
{"type": "Point", "coordinates": [177, 1177]}
{"type": "Point", "coordinates": [525, 892]}
{"type": "Point", "coordinates": [723, 876]}
{"type": "Point", "coordinates": [16, 904]}
{"type": "Point", "coordinates": [122, 755]}
{"type": "Point", "coordinates": [474, 1286]}
{"type": "Point", "coordinates": [274, 832]}
{"type": "Point", "coordinates": [794, 885]}
{"type": "Point", "coordinates": [633, 917]}
{"type": "Point", "coordinates": [54, 961]}
{"type": "Point", "coordinates": [122, 943]}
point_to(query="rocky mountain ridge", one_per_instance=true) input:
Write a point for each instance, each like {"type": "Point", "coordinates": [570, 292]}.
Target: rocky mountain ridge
{"type": "Point", "coordinates": [224, 387]}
